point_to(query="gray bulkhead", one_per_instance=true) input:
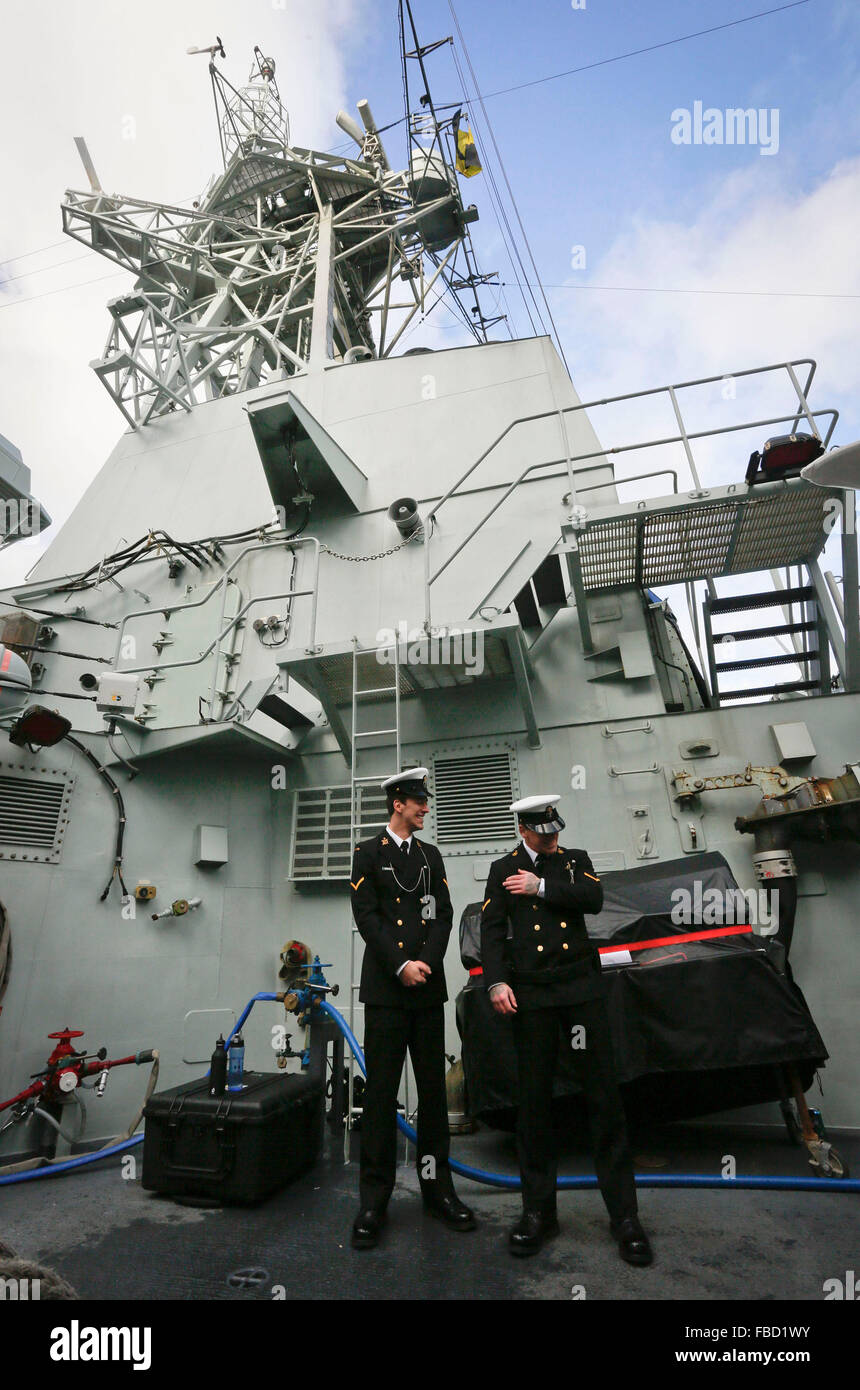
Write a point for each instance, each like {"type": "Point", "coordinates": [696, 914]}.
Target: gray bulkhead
{"type": "Point", "coordinates": [411, 426]}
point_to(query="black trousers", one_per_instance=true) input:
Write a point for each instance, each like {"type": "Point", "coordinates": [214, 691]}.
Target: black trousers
{"type": "Point", "coordinates": [537, 1033]}
{"type": "Point", "coordinates": [388, 1032]}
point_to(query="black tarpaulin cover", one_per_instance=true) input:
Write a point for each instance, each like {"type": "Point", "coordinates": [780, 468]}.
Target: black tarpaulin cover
{"type": "Point", "coordinates": [697, 1026]}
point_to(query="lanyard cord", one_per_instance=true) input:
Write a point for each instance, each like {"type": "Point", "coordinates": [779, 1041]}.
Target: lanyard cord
{"type": "Point", "coordinates": [421, 873]}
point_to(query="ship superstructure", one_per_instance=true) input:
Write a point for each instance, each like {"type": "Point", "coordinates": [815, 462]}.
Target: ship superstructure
{"type": "Point", "coordinates": [315, 556]}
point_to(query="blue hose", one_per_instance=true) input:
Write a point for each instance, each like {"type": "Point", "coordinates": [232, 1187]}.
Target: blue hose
{"type": "Point", "coordinates": [50, 1170]}
{"type": "Point", "coordinates": [511, 1184]}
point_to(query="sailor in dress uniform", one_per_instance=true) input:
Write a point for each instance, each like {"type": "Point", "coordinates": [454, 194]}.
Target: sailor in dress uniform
{"type": "Point", "coordinates": [547, 979]}
{"type": "Point", "coordinates": [402, 909]}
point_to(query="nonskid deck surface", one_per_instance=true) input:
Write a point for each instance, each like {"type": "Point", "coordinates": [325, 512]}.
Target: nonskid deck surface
{"type": "Point", "coordinates": [112, 1240]}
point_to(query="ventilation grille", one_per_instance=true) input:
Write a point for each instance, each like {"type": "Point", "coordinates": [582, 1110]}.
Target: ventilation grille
{"type": "Point", "coordinates": [472, 794]}
{"type": "Point", "coordinates": [34, 813]}
{"type": "Point", "coordinates": [323, 836]}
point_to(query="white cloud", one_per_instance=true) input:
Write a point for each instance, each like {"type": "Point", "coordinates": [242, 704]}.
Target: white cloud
{"type": "Point", "coordinates": [752, 234]}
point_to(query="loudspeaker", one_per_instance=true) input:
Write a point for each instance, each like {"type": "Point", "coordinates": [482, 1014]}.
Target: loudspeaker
{"type": "Point", "coordinates": [404, 514]}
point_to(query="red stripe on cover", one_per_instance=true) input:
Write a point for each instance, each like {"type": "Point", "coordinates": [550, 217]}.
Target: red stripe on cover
{"type": "Point", "coordinates": [675, 940]}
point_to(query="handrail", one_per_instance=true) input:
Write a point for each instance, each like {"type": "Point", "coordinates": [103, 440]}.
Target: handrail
{"type": "Point", "coordinates": [684, 438]}
{"type": "Point", "coordinates": [622, 449]}
{"type": "Point", "coordinates": [224, 581]}
{"type": "Point", "coordinates": [629, 396]}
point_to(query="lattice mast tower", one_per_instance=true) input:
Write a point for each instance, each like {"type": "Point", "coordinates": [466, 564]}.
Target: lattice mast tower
{"type": "Point", "coordinates": [280, 265]}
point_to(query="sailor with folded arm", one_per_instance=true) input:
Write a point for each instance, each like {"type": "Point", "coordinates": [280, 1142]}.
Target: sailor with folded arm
{"type": "Point", "coordinates": [546, 978]}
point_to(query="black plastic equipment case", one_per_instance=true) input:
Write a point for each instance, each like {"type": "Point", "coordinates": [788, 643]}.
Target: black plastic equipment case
{"type": "Point", "coordinates": [239, 1147]}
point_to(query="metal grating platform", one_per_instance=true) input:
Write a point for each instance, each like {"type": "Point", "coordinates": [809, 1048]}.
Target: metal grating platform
{"type": "Point", "coordinates": [672, 540]}
{"type": "Point", "coordinates": [456, 659]}
{"type": "Point", "coordinates": [424, 665]}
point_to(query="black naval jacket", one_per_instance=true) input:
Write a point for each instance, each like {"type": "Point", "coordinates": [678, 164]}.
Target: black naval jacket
{"type": "Point", "coordinates": [388, 916]}
{"type": "Point", "coordinates": [549, 959]}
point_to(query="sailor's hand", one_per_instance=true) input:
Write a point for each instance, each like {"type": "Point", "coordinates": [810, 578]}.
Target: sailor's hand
{"type": "Point", "coordinates": [522, 882]}
{"type": "Point", "coordinates": [503, 1000]}
{"type": "Point", "coordinates": [415, 972]}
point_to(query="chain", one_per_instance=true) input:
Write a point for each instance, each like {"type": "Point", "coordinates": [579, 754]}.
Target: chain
{"type": "Point", "coordinates": [380, 554]}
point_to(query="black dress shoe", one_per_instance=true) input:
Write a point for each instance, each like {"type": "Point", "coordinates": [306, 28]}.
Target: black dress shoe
{"type": "Point", "coordinates": [366, 1228]}
{"type": "Point", "coordinates": [530, 1232]}
{"type": "Point", "coordinates": [448, 1208]}
{"type": "Point", "coordinates": [633, 1244]}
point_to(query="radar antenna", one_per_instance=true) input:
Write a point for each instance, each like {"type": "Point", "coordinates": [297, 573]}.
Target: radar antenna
{"type": "Point", "coordinates": [291, 258]}
{"type": "Point", "coordinates": [214, 48]}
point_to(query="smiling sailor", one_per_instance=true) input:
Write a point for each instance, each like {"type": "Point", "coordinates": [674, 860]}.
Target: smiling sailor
{"type": "Point", "coordinates": [402, 909]}
{"type": "Point", "coordinates": [547, 979]}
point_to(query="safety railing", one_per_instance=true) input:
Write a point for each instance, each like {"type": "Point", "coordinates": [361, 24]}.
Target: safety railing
{"type": "Point", "coordinates": [683, 437]}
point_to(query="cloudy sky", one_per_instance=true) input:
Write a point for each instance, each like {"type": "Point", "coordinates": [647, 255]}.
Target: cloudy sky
{"type": "Point", "coordinates": [663, 261]}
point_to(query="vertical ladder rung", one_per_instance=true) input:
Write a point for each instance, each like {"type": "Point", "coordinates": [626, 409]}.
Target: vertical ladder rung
{"type": "Point", "coordinates": [357, 781]}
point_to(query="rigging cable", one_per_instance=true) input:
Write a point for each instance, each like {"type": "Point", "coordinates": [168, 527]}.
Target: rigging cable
{"type": "Point", "coordinates": [509, 241]}
{"type": "Point", "coordinates": [507, 183]}
{"type": "Point", "coordinates": [636, 52]}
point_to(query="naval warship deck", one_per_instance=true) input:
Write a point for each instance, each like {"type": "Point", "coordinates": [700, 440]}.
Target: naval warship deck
{"type": "Point", "coordinates": [247, 687]}
{"type": "Point", "coordinates": [113, 1241]}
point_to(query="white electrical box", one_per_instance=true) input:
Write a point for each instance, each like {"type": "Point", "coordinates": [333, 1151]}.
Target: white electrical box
{"type": "Point", "coordinates": [210, 846]}
{"type": "Point", "coordinates": [794, 742]}
{"type": "Point", "coordinates": [117, 693]}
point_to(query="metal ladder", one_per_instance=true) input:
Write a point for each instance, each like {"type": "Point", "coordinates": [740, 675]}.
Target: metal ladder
{"type": "Point", "coordinates": [811, 650]}
{"type": "Point", "coordinates": [382, 694]}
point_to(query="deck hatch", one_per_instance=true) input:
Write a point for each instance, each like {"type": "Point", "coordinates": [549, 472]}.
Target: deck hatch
{"type": "Point", "coordinates": [323, 839]}
{"type": "Point", "coordinates": [34, 812]}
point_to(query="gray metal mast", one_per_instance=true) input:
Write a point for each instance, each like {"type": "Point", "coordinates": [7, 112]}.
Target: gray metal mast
{"type": "Point", "coordinates": [280, 265]}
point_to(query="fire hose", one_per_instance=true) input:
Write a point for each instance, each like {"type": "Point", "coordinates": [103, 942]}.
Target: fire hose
{"type": "Point", "coordinates": [311, 998]}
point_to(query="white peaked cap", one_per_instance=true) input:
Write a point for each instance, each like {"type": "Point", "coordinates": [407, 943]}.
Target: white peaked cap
{"type": "Point", "coordinates": [539, 813]}
{"type": "Point", "coordinates": [413, 781]}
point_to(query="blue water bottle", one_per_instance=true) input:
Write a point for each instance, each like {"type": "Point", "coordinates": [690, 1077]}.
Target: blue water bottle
{"type": "Point", "coordinates": [236, 1064]}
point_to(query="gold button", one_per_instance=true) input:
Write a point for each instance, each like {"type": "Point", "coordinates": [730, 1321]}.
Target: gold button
{"type": "Point", "coordinates": [564, 924]}
{"type": "Point", "coordinates": [399, 922]}
{"type": "Point", "coordinates": [397, 900]}
{"type": "Point", "coordinates": [540, 948]}
{"type": "Point", "coordinates": [400, 944]}
{"type": "Point", "coordinates": [537, 926]}
{"type": "Point", "coordinates": [564, 945]}
{"type": "Point", "coordinates": [534, 906]}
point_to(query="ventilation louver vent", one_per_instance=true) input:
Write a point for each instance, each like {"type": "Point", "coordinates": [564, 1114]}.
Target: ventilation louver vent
{"type": "Point", "coordinates": [34, 812]}
{"type": "Point", "coordinates": [323, 837]}
{"type": "Point", "coordinates": [472, 795]}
